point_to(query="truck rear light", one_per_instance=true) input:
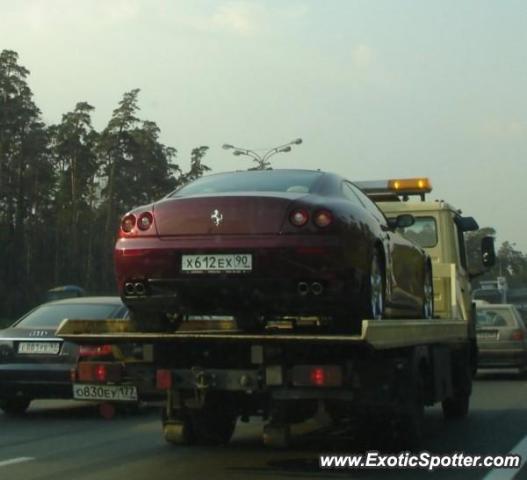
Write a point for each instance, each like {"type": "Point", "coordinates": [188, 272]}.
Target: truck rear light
{"type": "Point", "coordinates": [95, 350]}
{"type": "Point", "coordinates": [99, 372]}
{"type": "Point", "coordinates": [164, 379]}
{"type": "Point", "coordinates": [517, 335]}
{"type": "Point", "coordinates": [317, 376]}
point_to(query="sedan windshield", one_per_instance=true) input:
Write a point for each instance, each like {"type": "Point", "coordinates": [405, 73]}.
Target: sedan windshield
{"type": "Point", "coordinates": [52, 315]}
{"type": "Point", "coordinates": [299, 181]}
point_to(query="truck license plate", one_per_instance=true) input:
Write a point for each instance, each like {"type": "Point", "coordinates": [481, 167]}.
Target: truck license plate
{"type": "Point", "coordinates": [221, 263]}
{"type": "Point", "coordinates": [114, 393]}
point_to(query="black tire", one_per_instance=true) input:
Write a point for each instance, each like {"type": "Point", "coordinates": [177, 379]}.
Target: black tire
{"type": "Point", "coordinates": [213, 424]}
{"type": "Point", "coordinates": [456, 407]}
{"type": "Point", "coordinates": [428, 294]}
{"type": "Point", "coordinates": [409, 430]}
{"type": "Point", "coordinates": [210, 427]}
{"type": "Point", "coordinates": [15, 406]}
{"type": "Point", "coordinates": [375, 291]}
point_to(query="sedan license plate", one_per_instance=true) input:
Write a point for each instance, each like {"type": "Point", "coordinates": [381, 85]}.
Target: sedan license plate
{"type": "Point", "coordinates": [115, 393]}
{"type": "Point", "coordinates": [221, 263]}
{"type": "Point", "coordinates": [39, 348]}
{"type": "Point", "coordinates": [487, 335]}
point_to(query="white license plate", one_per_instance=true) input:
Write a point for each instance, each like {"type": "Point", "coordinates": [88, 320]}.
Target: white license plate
{"type": "Point", "coordinates": [487, 335]}
{"type": "Point", "coordinates": [115, 393]}
{"type": "Point", "coordinates": [229, 263]}
{"type": "Point", "coordinates": [41, 348]}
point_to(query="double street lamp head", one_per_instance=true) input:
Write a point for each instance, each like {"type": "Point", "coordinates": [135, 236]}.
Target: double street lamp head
{"type": "Point", "coordinates": [262, 160]}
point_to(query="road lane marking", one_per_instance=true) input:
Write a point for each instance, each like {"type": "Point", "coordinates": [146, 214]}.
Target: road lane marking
{"type": "Point", "coordinates": [509, 473]}
{"type": "Point", "coordinates": [13, 461]}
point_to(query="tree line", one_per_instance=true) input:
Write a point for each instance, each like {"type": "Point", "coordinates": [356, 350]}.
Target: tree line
{"type": "Point", "coordinates": [64, 187]}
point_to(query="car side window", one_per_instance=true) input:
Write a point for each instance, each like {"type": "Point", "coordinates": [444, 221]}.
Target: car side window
{"type": "Point", "coordinates": [369, 205]}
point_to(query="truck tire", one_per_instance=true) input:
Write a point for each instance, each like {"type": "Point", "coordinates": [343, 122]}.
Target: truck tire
{"type": "Point", "coordinates": [14, 406]}
{"type": "Point", "coordinates": [456, 407]}
{"type": "Point", "coordinates": [210, 425]}
{"type": "Point", "coordinates": [409, 431]}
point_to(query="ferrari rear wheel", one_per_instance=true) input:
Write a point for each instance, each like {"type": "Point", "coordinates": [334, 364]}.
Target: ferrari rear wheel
{"type": "Point", "coordinates": [375, 291]}
{"type": "Point", "coordinates": [428, 294]}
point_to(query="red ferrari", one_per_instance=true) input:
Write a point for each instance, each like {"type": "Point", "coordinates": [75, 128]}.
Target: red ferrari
{"type": "Point", "coordinates": [261, 245]}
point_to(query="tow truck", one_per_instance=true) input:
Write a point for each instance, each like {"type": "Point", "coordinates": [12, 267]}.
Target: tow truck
{"type": "Point", "coordinates": [214, 374]}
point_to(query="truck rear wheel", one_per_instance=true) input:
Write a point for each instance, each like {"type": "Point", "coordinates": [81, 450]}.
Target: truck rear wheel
{"type": "Point", "coordinates": [456, 407]}
{"type": "Point", "coordinates": [212, 424]}
{"type": "Point", "coordinates": [409, 428]}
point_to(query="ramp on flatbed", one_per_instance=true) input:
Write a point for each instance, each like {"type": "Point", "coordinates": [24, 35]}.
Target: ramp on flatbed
{"type": "Point", "coordinates": [379, 334]}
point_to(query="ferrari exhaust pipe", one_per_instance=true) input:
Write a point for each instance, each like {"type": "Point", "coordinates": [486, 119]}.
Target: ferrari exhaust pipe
{"type": "Point", "coordinates": [317, 288]}
{"type": "Point", "coordinates": [129, 288]}
{"type": "Point", "coordinates": [302, 288]}
{"type": "Point", "coordinates": [139, 288]}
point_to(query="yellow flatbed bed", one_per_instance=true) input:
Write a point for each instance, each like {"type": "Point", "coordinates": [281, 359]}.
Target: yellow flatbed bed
{"type": "Point", "coordinates": [379, 334]}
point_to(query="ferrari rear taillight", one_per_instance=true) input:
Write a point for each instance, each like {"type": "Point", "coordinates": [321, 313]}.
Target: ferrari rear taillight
{"type": "Point", "coordinates": [145, 221]}
{"type": "Point", "coordinates": [128, 223]}
{"type": "Point", "coordinates": [137, 224]}
{"type": "Point", "coordinates": [299, 217]}
{"type": "Point", "coordinates": [323, 218]}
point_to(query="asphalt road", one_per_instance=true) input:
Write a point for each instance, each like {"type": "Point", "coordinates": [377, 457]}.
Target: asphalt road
{"type": "Point", "coordinates": [66, 440]}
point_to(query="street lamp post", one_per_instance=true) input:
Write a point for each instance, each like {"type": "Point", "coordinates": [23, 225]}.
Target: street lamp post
{"type": "Point", "coordinates": [262, 160]}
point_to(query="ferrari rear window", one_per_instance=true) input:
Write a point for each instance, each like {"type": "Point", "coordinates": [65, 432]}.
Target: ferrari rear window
{"type": "Point", "coordinates": [253, 181]}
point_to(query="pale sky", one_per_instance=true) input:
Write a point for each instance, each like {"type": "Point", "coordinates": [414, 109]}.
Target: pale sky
{"type": "Point", "coordinates": [376, 89]}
